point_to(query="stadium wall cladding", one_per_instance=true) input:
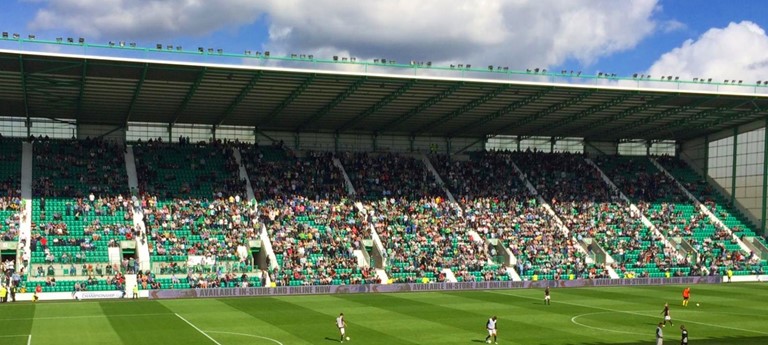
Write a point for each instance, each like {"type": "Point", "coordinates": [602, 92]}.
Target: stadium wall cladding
{"type": "Point", "coordinates": [413, 287]}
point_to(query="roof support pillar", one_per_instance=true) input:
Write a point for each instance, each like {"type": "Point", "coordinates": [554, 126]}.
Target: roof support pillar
{"type": "Point", "coordinates": [519, 139]}
{"type": "Point", "coordinates": [733, 167]}
{"type": "Point", "coordinates": [448, 146]}
{"type": "Point", "coordinates": [765, 180]}
{"type": "Point", "coordinates": [706, 156]}
{"type": "Point", "coordinates": [411, 142]}
{"type": "Point", "coordinates": [297, 140]}
{"type": "Point", "coordinates": [375, 141]}
{"type": "Point", "coordinates": [552, 141]}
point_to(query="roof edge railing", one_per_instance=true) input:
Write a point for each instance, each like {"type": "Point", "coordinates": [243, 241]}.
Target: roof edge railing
{"type": "Point", "coordinates": [173, 53]}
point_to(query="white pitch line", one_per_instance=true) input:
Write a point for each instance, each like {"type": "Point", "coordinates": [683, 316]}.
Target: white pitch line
{"type": "Point", "coordinates": [248, 335]}
{"type": "Point", "coordinates": [13, 335]}
{"type": "Point", "coordinates": [573, 320]}
{"type": "Point", "coordinates": [29, 339]}
{"type": "Point", "coordinates": [199, 330]}
{"type": "Point", "coordinates": [634, 313]}
{"type": "Point", "coordinates": [82, 317]}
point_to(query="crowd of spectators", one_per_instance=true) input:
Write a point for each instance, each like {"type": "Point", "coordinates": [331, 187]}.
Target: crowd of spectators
{"type": "Point", "coordinates": [389, 175]}
{"type": "Point", "coordinates": [74, 168]}
{"type": "Point", "coordinates": [187, 170]}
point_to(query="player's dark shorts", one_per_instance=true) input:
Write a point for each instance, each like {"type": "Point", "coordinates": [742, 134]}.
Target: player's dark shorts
{"type": "Point", "coordinates": [685, 298]}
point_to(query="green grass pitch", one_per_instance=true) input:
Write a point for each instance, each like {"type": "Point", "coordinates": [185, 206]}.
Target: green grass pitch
{"type": "Point", "coordinates": [729, 314]}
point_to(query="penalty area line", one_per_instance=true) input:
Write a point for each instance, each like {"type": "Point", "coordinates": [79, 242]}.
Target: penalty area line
{"type": "Point", "coordinates": [633, 313]}
{"type": "Point", "coordinates": [248, 335]}
{"type": "Point", "coordinates": [198, 329]}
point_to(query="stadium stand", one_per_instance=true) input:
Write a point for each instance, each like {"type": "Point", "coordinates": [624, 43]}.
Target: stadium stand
{"type": "Point", "coordinates": [78, 212]}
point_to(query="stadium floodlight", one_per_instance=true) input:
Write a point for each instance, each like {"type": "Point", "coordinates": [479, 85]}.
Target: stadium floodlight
{"type": "Point", "coordinates": [429, 63]}
{"type": "Point", "coordinates": [247, 52]}
{"type": "Point", "coordinates": [293, 56]}
{"type": "Point", "coordinates": [311, 57]}
{"type": "Point", "coordinates": [634, 76]}
{"type": "Point", "coordinates": [266, 53]}
{"type": "Point", "coordinates": [59, 39]}
{"type": "Point", "coordinates": [16, 36]}
{"type": "Point", "coordinates": [133, 44]}
{"type": "Point", "coordinates": [200, 50]}
{"type": "Point", "coordinates": [159, 46]}
{"type": "Point", "coordinates": [335, 58]}
{"type": "Point", "coordinates": [31, 37]}
{"type": "Point", "coordinates": [169, 47]}
{"type": "Point", "coordinates": [469, 66]}
{"type": "Point", "coordinates": [179, 48]}
{"type": "Point", "coordinates": [353, 59]}
{"type": "Point", "coordinates": [708, 80]}
{"type": "Point", "coordinates": [375, 60]}
{"type": "Point", "coordinates": [122, 44]}
{"type": "Point", "coordinates": [70, 40]}
{"type": "Point", "coordinates": [111, 44]}
{"type": "Point", "coordinates": [220, 51]}
{"type": "Point", "coordinates": [81, 40]}
{"type": "Point", "coordinates": [5, 34]}
{"type": "Point", "coordinates": [210, 50]}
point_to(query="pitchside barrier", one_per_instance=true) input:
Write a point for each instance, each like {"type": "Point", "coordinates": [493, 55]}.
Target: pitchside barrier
{"type": "Point", "coordinates": [414, 287]}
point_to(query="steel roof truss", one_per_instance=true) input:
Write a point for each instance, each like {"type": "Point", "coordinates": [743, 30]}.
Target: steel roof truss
{"type": "Point", "coordinates": [136, 92]}
{"type": "Point", "coordinates": [506, 110]}
{"type": "Point", "coordinates": [380, 104]}
{"type": "Point", "coordinates": [423, 106]}
{"type": "Point", "coordinates": [240, 97]}
{"type": "Point", "coordinates": [190, 94]}
{"type": "Point", "coordinates": [334, 103]}
{"type": "Point", "coordinates": [286, 102]}
{"type": "Point", "coordinates": [463, 109]}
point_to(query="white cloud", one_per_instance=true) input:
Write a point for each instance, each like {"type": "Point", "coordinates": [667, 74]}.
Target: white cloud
{"type": "Point", "coordinates": [737, 51]}
{"type": "Point", "coordinates": [672, 26]}
{"type": "Point", "coordinates": [515, 33]}
{"type": "Point", "coordinates": [143, 19]}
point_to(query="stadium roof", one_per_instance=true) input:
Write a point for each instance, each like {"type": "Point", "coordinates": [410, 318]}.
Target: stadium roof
{"type": "Point", "coordinates": [109, 90]}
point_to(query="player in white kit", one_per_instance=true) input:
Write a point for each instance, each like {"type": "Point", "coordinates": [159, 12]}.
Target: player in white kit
{"type": "Point", "coordinates": [342, 325]}
{"type": "Point", "coordinates": [491, 327]}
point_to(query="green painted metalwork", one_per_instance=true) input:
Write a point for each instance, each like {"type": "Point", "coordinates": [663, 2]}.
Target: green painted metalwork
{"type": "Point", "coordinates": [706, 156]}
{"type": "Point", "coordinates": [589, 111]}
{"type": "Point", "coordinates": [24, 91]}
{"type": "Point", "coordinates": [731, 117]}
{"type": "Point", "coordinates": [657, 116]}
{"type": "Point", "coordinates": [463, 109]}
{"type": "Point", "coordinates": [380, 104]}
{"type": "Point", "coordinates": [505, 73]}
{"type": "Point", "coordinates": [506, 110]}
{"type": "Point", "coordinates": [686, 121]}
{"type": "Point", "coordinates": [292, 97]}
{"type": "Point", "coordinates": [549, 110]}
{"type": "Point", "coordinates": [423, 106]}
{"type": "Point", "coordinates": [136, 92]}
{"type": "Point", "coordinates": [765, 179]}
{"type": "Point", "coordinates": [240, 97]}
{"type": "Point", "coordinates": [190, 94]}
{"type": "Point", "coordinates": [82, 88]}
{"type": "Point", "coordinates": [334, 103]}
{"type": "Point", "coordinates": [733, 166]}
{"type": "Point", "coordinates": [625, 113]}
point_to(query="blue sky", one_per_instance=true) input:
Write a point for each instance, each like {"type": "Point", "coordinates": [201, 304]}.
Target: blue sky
{"type": "Point", "coordinates": [700, 38]}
